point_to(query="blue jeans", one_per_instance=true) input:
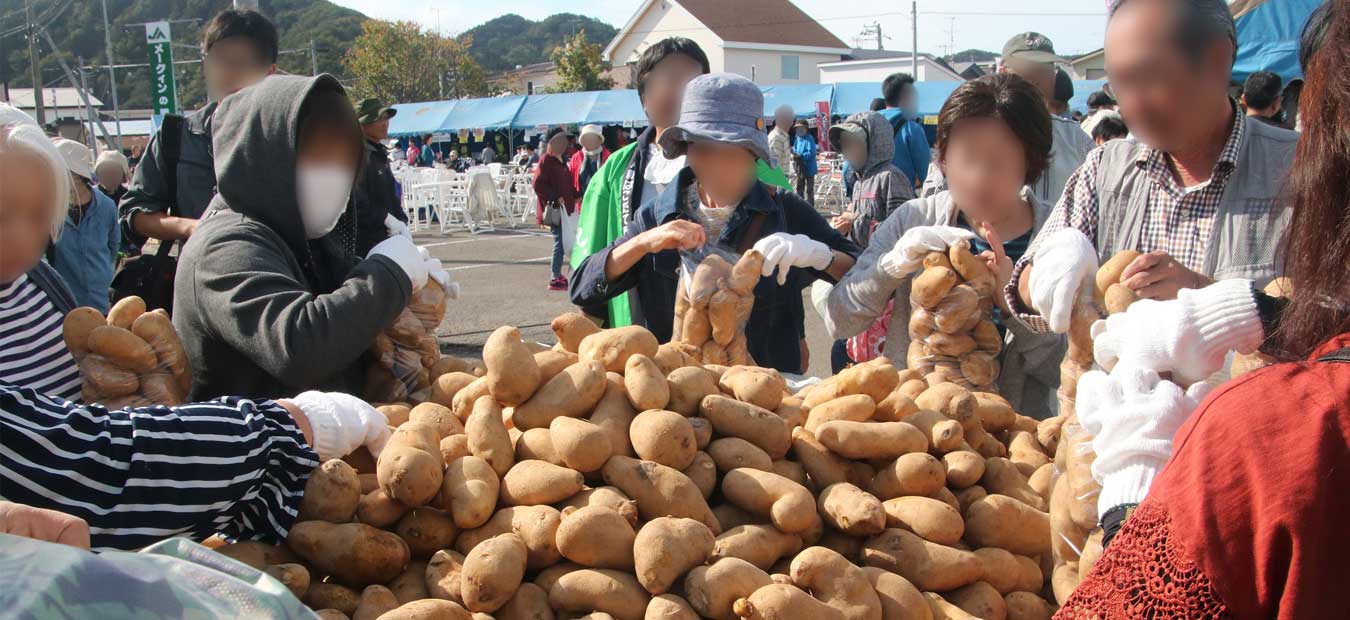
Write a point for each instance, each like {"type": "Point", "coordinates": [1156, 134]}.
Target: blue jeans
{"type": "Point", "coordinates": [557, 251]}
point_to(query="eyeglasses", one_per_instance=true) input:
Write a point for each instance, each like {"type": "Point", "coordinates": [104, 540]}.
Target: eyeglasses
{"type": "Point", "coordinates": [225, 63]}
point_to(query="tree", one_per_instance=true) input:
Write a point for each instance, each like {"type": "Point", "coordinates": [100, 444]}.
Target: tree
{"type": "Point", "coordinates": [580, 66]}
{"type": "Point", "coordinates": [400, 63]}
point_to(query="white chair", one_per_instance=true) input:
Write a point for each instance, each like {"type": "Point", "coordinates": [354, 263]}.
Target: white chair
{"type": "Point", "coordinates": [522, 198]}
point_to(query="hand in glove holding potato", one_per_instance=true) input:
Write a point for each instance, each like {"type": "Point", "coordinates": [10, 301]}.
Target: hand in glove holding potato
{"type": "Point", "coordinates": [436, 271]}
{"type": "Point", "coordinates": [1188, 336]}
{"type": "Point", "coordinates": [342, 423]}
{"type": "Point", "coordinates": [1063, 268]}
{"type": "Point", "coordinates": [1132, 415]}
{"type": "Point", "coordinates": [783, 251]}
{"type": "Point", "coordinates": [907, 255]}
{"type": "Point", "coordinates": [407, 255]}
{"type": "Point", "coordinates": [397, 227]}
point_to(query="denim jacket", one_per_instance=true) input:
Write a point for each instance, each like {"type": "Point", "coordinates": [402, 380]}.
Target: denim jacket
{"type": "Point", "coordinates": [87, 252]}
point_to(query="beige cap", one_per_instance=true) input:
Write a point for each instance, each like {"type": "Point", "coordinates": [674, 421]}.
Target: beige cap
{"type": "Point", "coordinates": [79, 159]}
{"type": "Point", "coordinates": [593, 130]}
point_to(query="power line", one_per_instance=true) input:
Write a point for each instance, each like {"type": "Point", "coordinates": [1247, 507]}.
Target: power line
{"type": "Point", "coordinates": [808, 19]}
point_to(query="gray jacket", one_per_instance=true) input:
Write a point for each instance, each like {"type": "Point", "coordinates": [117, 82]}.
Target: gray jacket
{"type": "Point", "coordinates": [879, 188]}
{"type": "Point", "coordinates": [1030, 361]}
{"type": "Point", "coordinates": [262, 311]}
{"type": "Point", "coordinates": [196, 175]}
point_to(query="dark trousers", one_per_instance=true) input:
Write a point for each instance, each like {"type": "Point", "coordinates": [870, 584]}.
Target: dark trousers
{"type": "Point", "coordinates": [557, 250]}
{"type": "Point", "coordinates": [839, 358]}
{"type": "Point", "coordinates": [806, 187]}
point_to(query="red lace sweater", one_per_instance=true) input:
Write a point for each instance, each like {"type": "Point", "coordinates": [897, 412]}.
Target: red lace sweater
{"type": "Point", "coordinates": [1248, 519]}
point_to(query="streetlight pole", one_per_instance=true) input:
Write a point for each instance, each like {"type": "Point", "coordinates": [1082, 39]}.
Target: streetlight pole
{"type": "Point", "coordinates": [112, 74]}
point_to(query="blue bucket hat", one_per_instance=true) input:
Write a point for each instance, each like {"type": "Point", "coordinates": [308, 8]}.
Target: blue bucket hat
{"type": "Point", "coordinates": [722, 108]}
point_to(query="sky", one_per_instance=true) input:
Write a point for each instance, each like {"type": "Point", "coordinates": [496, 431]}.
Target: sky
{"type": "Point", "coordinates": [1075, 26]}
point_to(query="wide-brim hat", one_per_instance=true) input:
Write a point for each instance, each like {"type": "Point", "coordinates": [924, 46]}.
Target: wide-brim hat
{"type": "Point", "coordinates": [721, 108]}
{"type": "Point", "coordinates": [78, 158]}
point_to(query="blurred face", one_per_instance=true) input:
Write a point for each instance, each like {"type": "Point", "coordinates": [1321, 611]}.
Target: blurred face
{"type": "Point", "coordinates": [233, 64]}
{"type": "Point", "coordinates": [985, 166]}
{"type": "Point", "coordinates": [110, 175]}
{"type": "Point", "coordinates": [799, 130]}
{"type": "Point", "coordinates": [378, 130]}
{"type": "Point", "coordinates": [326, 147]}
{"type": "Point", "coordinates": [909, 100]}
{"type": "Point", "coordinates": [665, 89]}
{"type": "Point", "coordinates": [854, 148]}
{"type": "Point", "coordinates": [27, 191]}
{"type": "Point", "coordinates": [557, 145]}
{"type": "Point", "coordinates": [1041, 75]}
{"type": "Point", "coordinates": [590, 142]}
{"type": "Point", "coordinates": [1164, 95]}
{"type": "Point", "coordinates": [724, 171]}
{"type": "Point", "coordinates": [783, 118]}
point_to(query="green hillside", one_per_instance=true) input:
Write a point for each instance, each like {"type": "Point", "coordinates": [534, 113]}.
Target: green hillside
{"type": "Point", "coordinates": [510, 40]}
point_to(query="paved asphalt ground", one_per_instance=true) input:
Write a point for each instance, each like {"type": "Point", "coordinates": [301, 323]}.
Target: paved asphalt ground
{"type": "Point", "coordinates": [504, 281]}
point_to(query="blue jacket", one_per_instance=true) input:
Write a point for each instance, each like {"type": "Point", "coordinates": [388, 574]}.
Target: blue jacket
{"type": "Point", "coordinates": [775, 325]}
{"type": "Point", "coordinates": [911, 146]}
{"type": "Point", "coordinates": [805, 148]}
{"type": "Point", "coordinates": [87, 253]}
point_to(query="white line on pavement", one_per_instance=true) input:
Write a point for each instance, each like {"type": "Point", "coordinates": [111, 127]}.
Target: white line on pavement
{"type": "Point", "coordinates": [514, 262]}
{"type": "Point", "coordinates": [485, 238]}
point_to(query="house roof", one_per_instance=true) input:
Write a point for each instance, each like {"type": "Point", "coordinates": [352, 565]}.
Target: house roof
{"type": "Point", "coordinates": [55, 97]}
{"type": "Point", "coordinates": [777, 22]}
{"type": "Point", "coordinates": [1088, 56]}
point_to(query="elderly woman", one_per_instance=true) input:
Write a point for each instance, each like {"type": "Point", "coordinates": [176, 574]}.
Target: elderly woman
{"type": "Point", "coordinates": [86, 253]}
{"type": "Point", "coordinates": [719, 198]}
{"type": "Point", "coordinates": [236, 466]}
{"type": "Point", "coordinates": [111, 170]}
{"type": "Point", "coordinates": [993, 141]}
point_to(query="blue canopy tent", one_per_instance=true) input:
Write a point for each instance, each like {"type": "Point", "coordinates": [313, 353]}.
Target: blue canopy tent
{"type": "Point", "coordinates": [616, 107]}
{"type": "Point", "coordinates": [801, 98]}
{"type": "Point", "coordinates": [489, 113]}
{"type": "Point", "coordinates": [418, 119]}
{"type": "Point", "coordinates": [1081, 90]}
{"type": "Point", "coordinates": [558, 109]}
{"type": "Point", "coordinates": [854, 97]}
{"type": "Point", "coordinates": [1268, 33]}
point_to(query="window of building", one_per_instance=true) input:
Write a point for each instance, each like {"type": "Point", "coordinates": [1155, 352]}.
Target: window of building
{"type": "Point", "coordinates": [792, 67]}
{"type": "Point", "coordinates": [529, 88]}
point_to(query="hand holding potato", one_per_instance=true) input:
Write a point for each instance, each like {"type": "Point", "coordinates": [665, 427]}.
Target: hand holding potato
{"type": "Point", "coordinates": [342, 423]}
{"type": "Point", "coordinates": [673, 235]}
{"type": "Point", "coordinates": [998, 262]}
{"type": "Point", "coordinates": [908, 254]}
{"type": "Point", "coordinates": [1157, 275]}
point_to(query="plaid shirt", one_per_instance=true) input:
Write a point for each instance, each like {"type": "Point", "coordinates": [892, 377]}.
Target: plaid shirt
{"type": "Point", "coordinates": [1177, 220]}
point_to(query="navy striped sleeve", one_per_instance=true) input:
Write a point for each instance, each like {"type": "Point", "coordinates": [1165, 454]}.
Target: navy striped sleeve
{"type": "Point", "coordinates": [232, 466]}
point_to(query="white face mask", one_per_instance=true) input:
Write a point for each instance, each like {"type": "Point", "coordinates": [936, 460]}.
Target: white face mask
{"type": "Point", "coordinates": [323, 190]}
{"type": "Point", "coordinates": [594, 153]}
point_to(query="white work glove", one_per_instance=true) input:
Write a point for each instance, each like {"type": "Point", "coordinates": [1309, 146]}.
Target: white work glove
{"type": "Point", "coordinates": [397, 227]}
{"type": "Point", "coordinates": [406, 255]}
{"type": "Point", "coordinates": [783, 251]}
{"type": "Point", "coordinates": [1188, 336]}
{"type": "Point", "coordinates": [907, 255]}
{"type": "Point", "coordinates": [1063, 270]}
{"type": "Point", "coordinates": [1132, 416]}
{"type": "Point", "coordinates": [436, 271]}
{"type": "Point", "coordinates": [343, 423]}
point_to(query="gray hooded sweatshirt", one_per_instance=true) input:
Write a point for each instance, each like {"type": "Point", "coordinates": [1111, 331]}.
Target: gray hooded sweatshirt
{"type": "Point", "coordinates": [880, 188]}
{"type": "Point", "coordinates": [262, 311]}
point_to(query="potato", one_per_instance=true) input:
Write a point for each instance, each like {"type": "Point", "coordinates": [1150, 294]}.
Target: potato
{"type": "Point", "coordinates": [550, 576]}
{"type": "Point", "coordinates": [702, 471]}
{"type": "Point", "coordinates": [758, 544]}
{"type": "Point", "coordinates": [745, 274]}
{"type": "Point", "coordinates": [712, 590]}
{"type": "Point", "coordinates": [754, 424]}
{"type": "Point", "coordinates": [512, 373]}
{"type": "Point", "coordinates": [572, 393]}
{"type": "Point", "coordinates": [1118, 298]}
{"type": "Point", "coordinates": [895, 407]}
{"type": "Point", "coordinates": [669, 607]}
{"type": "Point", "coordinates": [537, 443]}
{"type": "Point", "coordinates": [607, 497]}
{"type": "Point", "coordinates": [77, 326]}
{"type": "Point", "coordinates": [613, 347]}
{"type": "Point", "coordinates": [613, 592]}
{"type": "Point", "coordinates": [918, 473]}
{"type": "Point", "coordinates": [835, 581]}
{"type": "Point", "coordinates": [532, 483]}
{"type": "Point", "coordinates": [1003, 522]}
{"type": "Point", "coordinates": [1001, 476]}
{"type": "Point", "coordinates": [395, 414]}
{"type": "Point", "coordinates": [294, 576]}
{"type": "Point", "coordinates": [688, 387]}
{"type": "Point", "coordinates": [354, 554]}
{"type": "Point", "coordinates": [322, 595]}
{"type": "Point", "coordinates": [443, 575]}
{"type": "Point", "coordinates": [106, 378]}
{"type": "Point", "coordinates": [1007, 572]}
{"type": "Point", "coordinates": [929, 287]}
{"type": "Point", "coordinates": [464, 399]}
{"type": "Point", "coordinates": [900, 600]}
{"type": "Point", "coordinates": [126, 311]}
{"type": "Point", "coordinates": [792, 470]}
{"type": "Point", "coordinates": [673, 355]}
{"type": "Point", "coordinates": [571, 329]}
{"type": "Point", "coordinates": [1026, 452]}
{"type": "Point", "coordinates": [932, 519]}
{"type": "Point", "coordinates": [378, 509]}
{"type": "Point", "coordinates": [536, 525]}
{"type": "Point", "coordinates": [615, 414]}
{"type": "Point", "coordinates": [1027, 606]}
{"type": "Point", "coordinates": [428, 609]}
{"type": "Point", "coordinates": [788, 504]}
{"type": "Point", "coordinates": [596, 537]}
{"type": "Point", "coordinates": [157, 330]}
{"type": "Point", "coordinates": [928, 565]}
{"type": "Point", "coordinates": [722, 311]}
{"type": "Point", "coordinates": [730, 453]}
{"type": "Point", "coordinates": [331, 493]}
{"type": "Point", "coordinates": [492, 571]}
{"type": "Point", "coordinates": [646, 384]}
{"type": "Point", "coordinates": [950, 400]}
{"type": "Point", "coordinates": [419, 435]}
{"type": "Point", "coordinates": [1110, 273]}
{"type": "Point", "coordinates": [871, 440]}
{"type": "Point", "coordinates": [703, 431]}
{"type": "Point", "coordinates": [942, 609]}
{"type": "Point", "coordinates": [824, 467]}
{"type": "Point", "coordinates": [663, 437]}
{"type": "Point", "coordinates": [581, 445]}
{"type": "Point", "coordinates": [426, 530]}
{"type": "Point", "coordinates": [487, 434]}
{"type": "Point", "coordinates": [986, 337]}
{"type": "Point", "coordinates": [963, 468]}
{"type": "Point", "coordinates": [696, 328]}
{"type": "Point", "coordinates": [448, 364]}
{"type": "Point", "coordinates": [375, 601]}
{"type": "Point", "coordinates": [162, 389]}
{"type": "Point", "coordinates": [658, 490]}
{"type": "Point", "coordinates": [530, 602]}
{"type": "Point", "coordinates": [877, 379]}
{"type": "Point", "coordinates": [438, 416]}
{"type": "Point", "coordinates": [958, 308]}
{"type": "Point", "coordinates": [856, 408]}
{"type": "Point", "coordinates": [851, 510]}
{"type": "Point", "coordinates": [410, 475]}
{"type": "Point", "coordinates": [981, 600]}
{"type": "Point", "coordinates": [780, 601]}
{"type": "Point", "coordinates": [761, 387]}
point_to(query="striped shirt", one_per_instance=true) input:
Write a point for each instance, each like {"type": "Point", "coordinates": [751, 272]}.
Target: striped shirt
{"type": "Point", "coordinates": [232, 466]}
{"type": "Point", "coordinates": [1177, 220]}
{"type": "Point", "coordinates": [32, 352]}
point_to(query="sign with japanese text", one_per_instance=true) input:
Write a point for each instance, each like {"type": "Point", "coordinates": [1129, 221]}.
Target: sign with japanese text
{"type": "Point", "coordinates": [163, 92]}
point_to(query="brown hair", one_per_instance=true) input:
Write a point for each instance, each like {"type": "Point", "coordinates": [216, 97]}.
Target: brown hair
{"type": "Point", "coordinates": [328, 110]}
{"type": "Point", "coordinates": [1317, 241]}
{"type": "Point", "coordinates": [1011, 99]}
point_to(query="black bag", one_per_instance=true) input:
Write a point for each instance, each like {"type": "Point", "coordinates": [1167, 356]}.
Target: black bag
{"type": "Point", "coordinates": [150, 276]}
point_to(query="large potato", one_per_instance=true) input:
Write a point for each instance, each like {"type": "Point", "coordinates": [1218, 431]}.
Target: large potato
{"type": "Point", "coordinates": [512, 374]}
{"type": "Point", "coordinates": [613, 347]}
{"type": "Point", "coordinates": [355, 554]}
{"type": "Point", "coordinates": [572, 393]}
{"type": "Point", "coordinates": [331, 493]}
{"type": "Point", "coordinates": [659, 491]}
{"type": "Point", "coordinates": [666, 548]}
{"type": "Point", "coordinates": [492, 571]}
{"type": "Point", "coordinates": [597, 537]}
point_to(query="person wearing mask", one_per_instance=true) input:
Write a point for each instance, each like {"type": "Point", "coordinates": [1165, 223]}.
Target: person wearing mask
{"type": "Point", "coordinates": [374, 197]}
{"type": "Point", "coordinates": [166, 198]}
{"type": "Point", "coordinates": [587, 161]}
{"type": "Point", "coordinates": [34, 199]}
{"type": "Point", "coordinates": [718, 198]}
{"type": "Point", "coordinates": [267, 301]}
{"type": "Point", "coordinates": [554, 187]}
{"type": "Point", "coordinates": [912, 154]}
{"type": "Point", "coordinates": [1110, 127]}
{"type": "Point", "coordinates": [639, 172]}
{"type": "Point", "coordinates": [1197, 191]}
{"type": "Point", "coordinates": [994, 142]}
{"type": "Point", "coordinates": [86, 252]}
{"type": "Point", "coordinates": [1262, 95]}
{"type": "Point", "coordinates": [1230, 505]}
{"type": "Point", "coordinates": [781, 139]}
{"type": "Point", "coordinates": [804, 150]}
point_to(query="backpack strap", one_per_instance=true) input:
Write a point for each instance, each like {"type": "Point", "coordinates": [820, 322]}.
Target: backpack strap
{"type": "Point", "coordinates": [170, 152]}
{"type": "Point", "coordinates": [1342, 356]}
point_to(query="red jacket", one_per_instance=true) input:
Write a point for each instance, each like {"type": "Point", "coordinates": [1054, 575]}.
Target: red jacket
{"type": "Point", "coordinates": [553, 181]}
{"type": "Point", "coordinates": [1248, 518]}
{"type": "Point", "coordinates": [574, 164]}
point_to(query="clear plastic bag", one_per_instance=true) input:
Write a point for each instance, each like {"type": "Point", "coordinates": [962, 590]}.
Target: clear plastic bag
{"type": "Point", "coordinates": [407, 350]}
{"type": "Point", "coordinates": [110, 383]}
{"type": "Point", "coordinates": [952, 334]}
{"type": "Point", "coordinates": [713, 301]}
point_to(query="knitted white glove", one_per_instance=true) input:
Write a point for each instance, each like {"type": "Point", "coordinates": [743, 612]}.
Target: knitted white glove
{"type": "Point", "coordinates": [1132, 416]}
{"type": "Point", "coordinates": [436, 271]}
{"type": "Point", "coordinates": [343, 423]}
{"type": "Point", "coordinates": [396, 227]}
{"type": "Point", "coordinates": [1188, 336]}
{"type": "Point", "coordinates": [406, 255]}
{"type": "Point", "coordinates": [907, 255]}
{"type": "Point", "coordinates": [1063, 268]}
{"type": "Point", "coordinates": [783, 251]}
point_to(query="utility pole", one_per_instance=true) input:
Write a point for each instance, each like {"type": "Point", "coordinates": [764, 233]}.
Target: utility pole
{"type": "Point", "coordinates": [88, 107]}
{"type": "Point", "coordinates": [39, 110]}
{"type": "Point", "coordinates": [874, 29]}
{"type": "Point", "coordinates": [112, 74]}
{"type": "Point", "coordinates": [4, 69]}
{"type": "Point", "coordinates": [313, 58]}
{"type": "Point", "coordinates": [914, 25]}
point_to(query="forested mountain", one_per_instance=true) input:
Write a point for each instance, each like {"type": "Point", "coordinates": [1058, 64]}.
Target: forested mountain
{"type": "Point", "coordinates": [510, 40]}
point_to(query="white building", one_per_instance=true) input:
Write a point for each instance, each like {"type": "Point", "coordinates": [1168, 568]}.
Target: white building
{"type": "Point", "coordinates": [931, 69]}
{"type": "Point", "coordinates": [768, 41]}
{"type": "Point", "coordinates": [56, 102]}
{"type": "Point", "coordinates": [1090, 66]}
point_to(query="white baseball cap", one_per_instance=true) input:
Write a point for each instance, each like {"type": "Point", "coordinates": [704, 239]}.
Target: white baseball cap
{"type": "Point", "coordinates": [593, 130]}
{"type": "Point", "coordinates": [79, 159]}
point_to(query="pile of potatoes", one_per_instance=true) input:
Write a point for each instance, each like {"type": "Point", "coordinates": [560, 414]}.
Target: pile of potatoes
{"type": "Point", "coordinates": [952, 335]}
{"type": "Point", "coordinates": [711, 307]}
{"type": "Point", "coordinates": [407, 352]}
{"type": "Point", "coordinates": [611, 478]}
{"type": "Point", "coordinates": [131, 358]}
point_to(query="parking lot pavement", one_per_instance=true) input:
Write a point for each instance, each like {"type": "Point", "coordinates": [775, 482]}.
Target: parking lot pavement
{"type": "Point", "coordinates": [503, 278]}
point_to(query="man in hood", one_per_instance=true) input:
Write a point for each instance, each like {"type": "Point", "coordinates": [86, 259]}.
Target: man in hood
{"type": "Point", "coordinates": [879, 188]}
{"type": "Point", "coordinates": [269, 299]}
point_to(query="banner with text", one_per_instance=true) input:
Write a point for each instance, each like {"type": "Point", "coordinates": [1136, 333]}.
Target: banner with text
{"type": "Point", "coordinates": [164, 94]}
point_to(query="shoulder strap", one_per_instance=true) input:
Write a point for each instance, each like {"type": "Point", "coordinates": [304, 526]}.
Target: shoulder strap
{"type": "Point", "coordinates": [170, 152]}
{"type": "Point", "coordinates": [1342, 355]}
